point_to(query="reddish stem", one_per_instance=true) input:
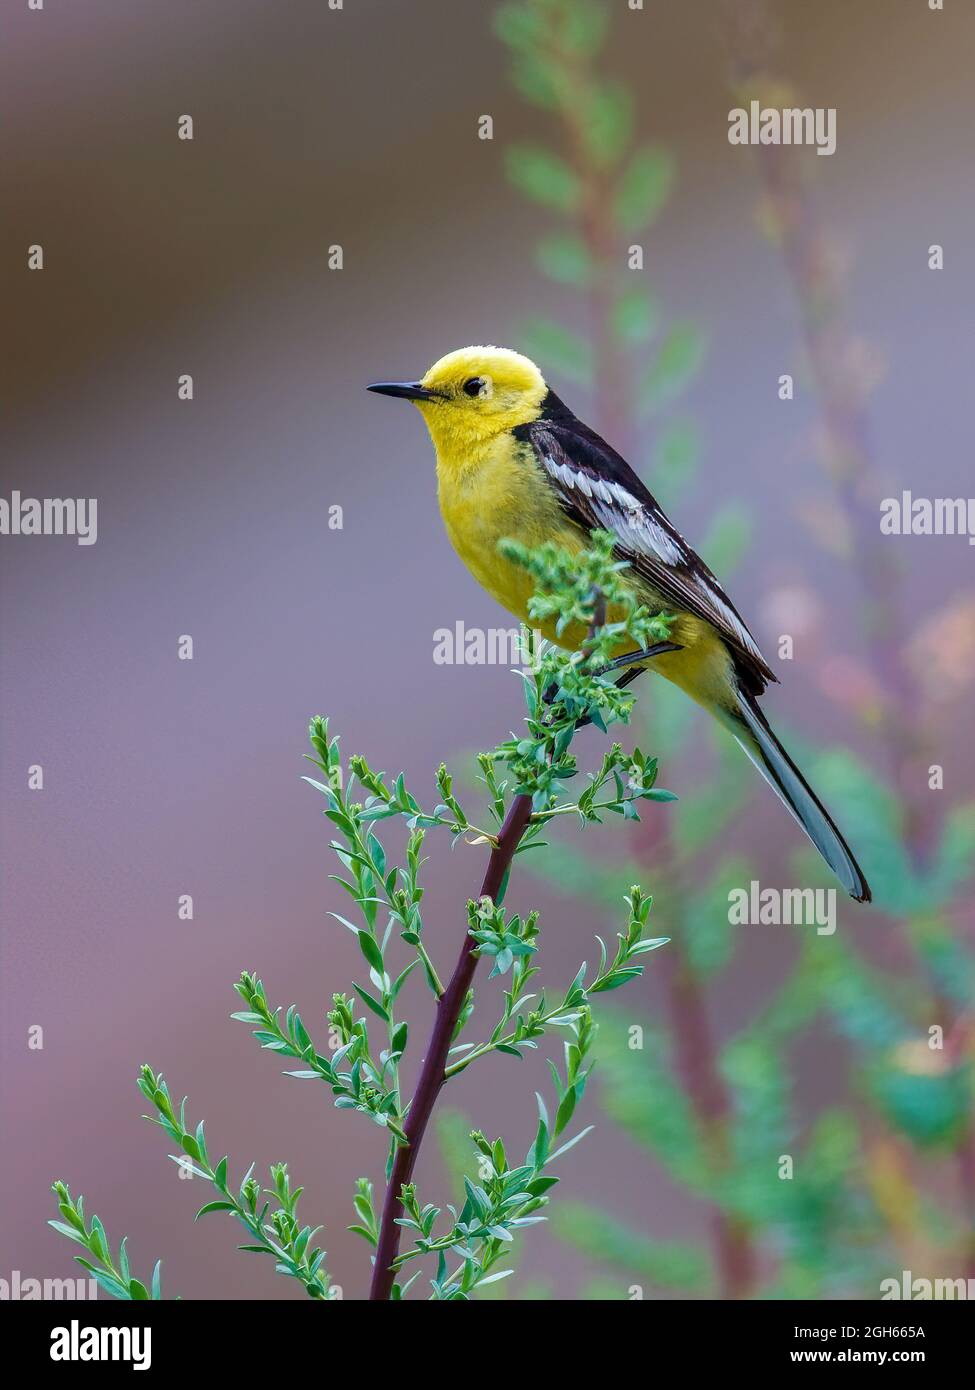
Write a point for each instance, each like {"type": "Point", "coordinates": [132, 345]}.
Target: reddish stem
{"type": "Point", "coordinates": [432, 1073]}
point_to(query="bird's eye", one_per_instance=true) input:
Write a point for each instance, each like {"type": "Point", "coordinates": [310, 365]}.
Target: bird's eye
{"type": "Point", "coordinates": [474, 387]}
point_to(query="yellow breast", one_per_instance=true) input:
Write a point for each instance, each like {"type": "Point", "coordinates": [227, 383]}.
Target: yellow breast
{"type": "Point", "coordinates": [495, 489]}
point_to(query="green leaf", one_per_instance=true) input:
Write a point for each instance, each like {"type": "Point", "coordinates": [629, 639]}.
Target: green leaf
{"type": "Point", "coordinates": [543, 176]}
{"type": "Point", "coordinates": [404, 975]}
{"type": "Point", "coordinates": [617, 980]}
{"type": "Point", "coordinates": [563, 352]}
{"type": "Point", "coordinates": [518, 25]}
{"type": "Point", "coordinates": [562, 1149]}
{"type": "Point", "coordinates": [582, 27]}
{"type": "Point", "coordinates": [678, 359]}
{"type": "Point", "coordinates": [214, 1206]}
{"type": "Point", "coordinates": [68, 1231]}
{"type": "Point", "coordinates": [608, 123]}
{"type": "Point", "coordinates": [643, 189]}
{"type": "Point", "coordinates": [370, 1002]}
{"type": "Point", "coordinates": [370, 949]}
{"type": "Point", "coordinates": [106, 1281]}
{"type": "Point", "coordinates": [493, 1278]}
{"type": "Point", "coordinates": [932, 1109]}
{"type": "Point", "coordinates": [98, 1240]}
{"type": "Point", "coordinates": [539, 78]}
{"type": "Point", "coordinates": [564, 257]}
{"type": "Point", "coordinates": [635, 317]}
{"type": "Point", "coordinates": [539, 1150]}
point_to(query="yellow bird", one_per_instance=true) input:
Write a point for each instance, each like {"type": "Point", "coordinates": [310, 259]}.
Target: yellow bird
{"type": "Point", "coordinates": [513, 461]}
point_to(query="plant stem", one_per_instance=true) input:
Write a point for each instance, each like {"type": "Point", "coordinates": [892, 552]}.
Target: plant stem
{"type": "Point", "coordinates": [433, 1071]}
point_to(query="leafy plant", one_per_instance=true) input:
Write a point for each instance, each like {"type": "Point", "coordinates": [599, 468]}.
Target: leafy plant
{"type": "Point", "coordinates": [527, 779]}
{"type": "Point", "coordinates": [111, 1272]}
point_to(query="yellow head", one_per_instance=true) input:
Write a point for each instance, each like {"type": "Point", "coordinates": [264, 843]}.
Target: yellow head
{"type": "Point", "coordinates": [473, 394]}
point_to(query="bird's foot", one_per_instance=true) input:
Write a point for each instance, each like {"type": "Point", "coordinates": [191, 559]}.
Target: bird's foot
{"type": "Point", "coordinates": [627, 659]}
{"type": "Point", "coordinates": [645, 654]}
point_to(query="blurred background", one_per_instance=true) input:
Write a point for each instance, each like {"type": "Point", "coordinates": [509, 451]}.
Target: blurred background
{"type": "Point", "coordinates": [358, 128]}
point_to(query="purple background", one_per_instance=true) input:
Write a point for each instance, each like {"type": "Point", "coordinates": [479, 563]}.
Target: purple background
{"type": "Point", "coordinates": [165, 777]}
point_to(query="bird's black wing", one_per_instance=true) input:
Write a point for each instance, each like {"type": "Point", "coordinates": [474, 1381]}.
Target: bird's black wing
{"type": "Point", "coordinates": [599, 490]}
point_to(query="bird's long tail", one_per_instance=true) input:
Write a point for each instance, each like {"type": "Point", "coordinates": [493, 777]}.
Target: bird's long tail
{"type": "Point", "coordinates": [752, 731]}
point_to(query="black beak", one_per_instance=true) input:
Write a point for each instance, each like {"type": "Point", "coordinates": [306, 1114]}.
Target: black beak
{"type": "Point", "coordinates": [409, 390]}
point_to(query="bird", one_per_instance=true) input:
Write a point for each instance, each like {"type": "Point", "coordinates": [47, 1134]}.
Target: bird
{"type": "Point", "coordinates": [513, 461]}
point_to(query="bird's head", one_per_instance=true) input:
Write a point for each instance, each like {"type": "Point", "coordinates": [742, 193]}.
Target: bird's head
{"type": "Point", "coordinates": [472, 394]}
